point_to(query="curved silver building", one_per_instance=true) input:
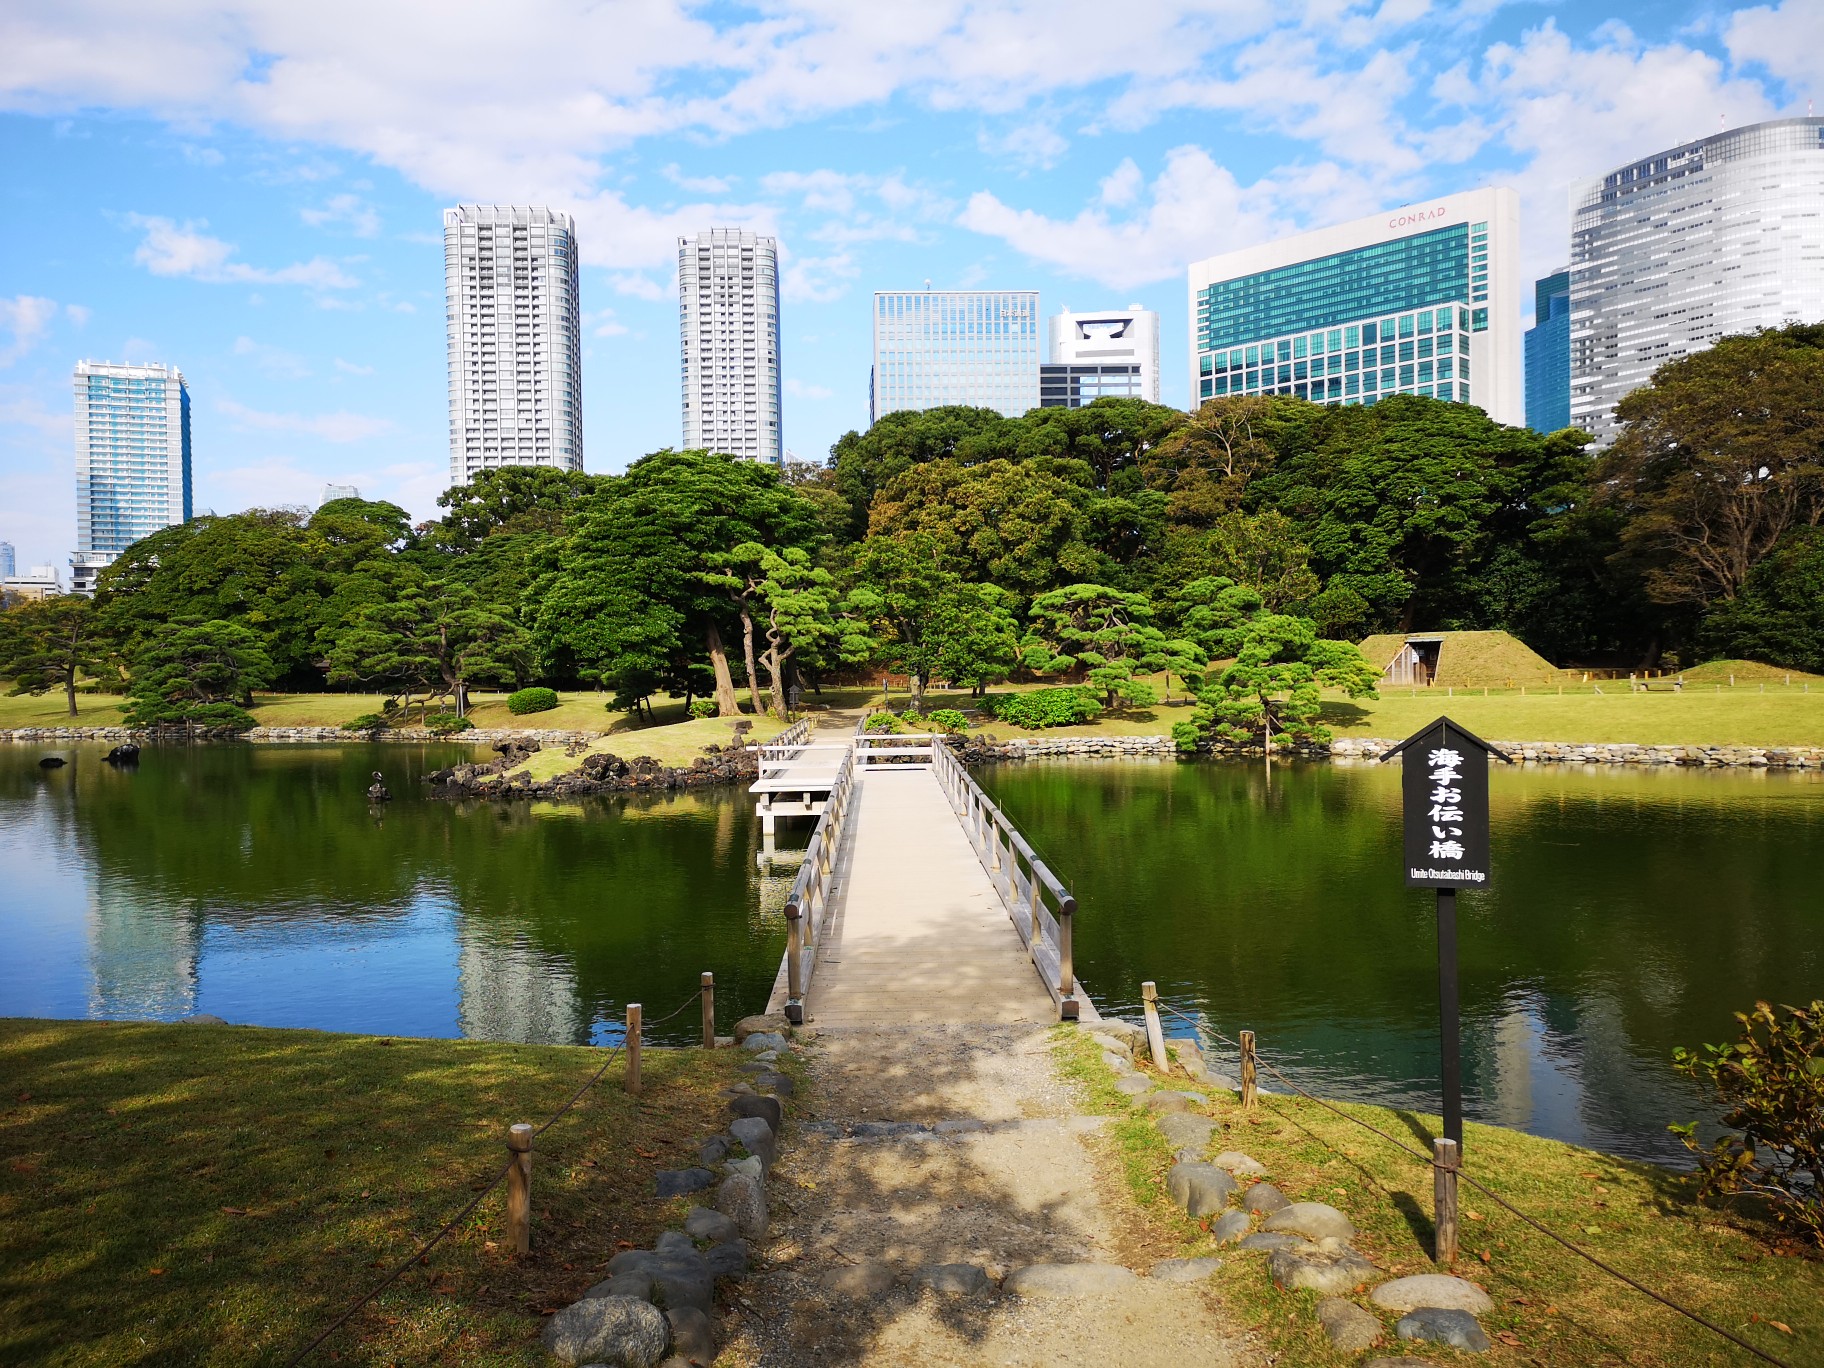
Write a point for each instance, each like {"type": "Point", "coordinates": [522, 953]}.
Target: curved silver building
{"type": "Point", "coordinates": [1675, 251]}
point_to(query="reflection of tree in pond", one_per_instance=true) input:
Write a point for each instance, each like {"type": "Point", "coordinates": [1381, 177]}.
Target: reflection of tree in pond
{"type": "Point", "coordinates": [1283, 910]}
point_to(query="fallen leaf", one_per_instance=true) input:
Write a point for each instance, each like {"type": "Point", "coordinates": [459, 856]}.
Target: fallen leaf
{"type": "Point", "coordinates": [590, 1163]}
{"type": "Point", "coordinates": [25, 1097]}
{"type": "Point", "coordinates": [646, 1154]}
{"type": "Point", "coordinates": [1482, 1254]}
{"type": "Point", "coordinates": [1781, 1326]}
{"type": "Point", "coordinates": [156, 1272]}
{"type": "Point", "coordinates": [1592, 1230]}
{"type": "Point", "coordinates": [1473, 1215]}
{"type": "Point", "coordinates": [1508, 1337]}
{"type": "Point", "coordinates": [24, 1166]}
{"type": "Point", "coordinates": [234, 1211]}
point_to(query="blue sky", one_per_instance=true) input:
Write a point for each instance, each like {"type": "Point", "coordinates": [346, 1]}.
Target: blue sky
{"type": "Point", "coordinates": [253, 191]}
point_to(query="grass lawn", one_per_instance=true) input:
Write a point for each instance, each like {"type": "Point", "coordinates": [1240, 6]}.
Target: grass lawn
{"type": "Point", "coordinates": [52, 710]}
{"type": "Point", "coordinates": [676, 745]}
{"type": "Point", "coordinates": [1551, 1308]}
{"type": "Point", "coordinates": [215, 1195]}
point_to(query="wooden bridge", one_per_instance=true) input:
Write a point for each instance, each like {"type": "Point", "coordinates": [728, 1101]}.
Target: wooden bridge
{"type": "Point", "coordinates": [917, 900]}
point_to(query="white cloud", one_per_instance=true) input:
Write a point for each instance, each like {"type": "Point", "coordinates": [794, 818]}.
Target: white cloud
{"type": "Point", "coordinates": [274, 361]}
{"type": "Point", "coordinates": [27, 318]}
{"type": "Point", "coordinates": [602, 323]}
{"type": "Point", "coordinates": [1787, 39]}
{"type": "Point", "coordinates": [330, 427]}
{"type": "Point", "coordinates": [698, 185]}
{"type": "Point", "coordinates": [800, 390]}
{"type": "Point", "coordinates": [344, 211]}
{"type": "Point", "coordinates": [79, 314]}
{"type": "Point", "coordinates": [639, 286]}
{"type": "Point", "coordinates": [818, 280]}
{"type": "Point", "coordinates": [350, 368]}
{"type": "Point", "coordinates": [171, 249]}
{"type": "Point", "coordinates": [1036, 144]}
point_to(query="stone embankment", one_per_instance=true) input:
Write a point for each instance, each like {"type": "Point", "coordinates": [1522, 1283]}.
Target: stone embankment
{"type": "Point", "coordinates": [1347, 748]}
{"type": "Point", "coordinates": [420, 735]}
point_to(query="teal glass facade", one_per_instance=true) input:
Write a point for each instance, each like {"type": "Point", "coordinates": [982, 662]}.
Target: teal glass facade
{"type": "Point", "coordinates": [1548, 355]}
{"type": "Point", "coordinates": [1350, 327]}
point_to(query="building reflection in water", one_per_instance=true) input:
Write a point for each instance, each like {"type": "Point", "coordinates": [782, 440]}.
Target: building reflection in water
{"type": "Point", "coordinates": [509, 989]}
{"type": "Point", "coordinates": [143, 960]}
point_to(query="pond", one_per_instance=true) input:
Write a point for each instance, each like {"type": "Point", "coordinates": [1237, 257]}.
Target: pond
{"type": "Point", "coordinates": [1630, 911]}
{"type": "Point", "coordinates": [255, 882]}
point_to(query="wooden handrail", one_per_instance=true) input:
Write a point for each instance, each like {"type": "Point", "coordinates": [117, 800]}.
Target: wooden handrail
{"type": "Point", "coordinates": [807, 906]}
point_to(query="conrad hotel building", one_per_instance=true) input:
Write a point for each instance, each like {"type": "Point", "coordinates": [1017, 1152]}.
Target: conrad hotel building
{"type": "Point", "coordinates": [1421, 300]}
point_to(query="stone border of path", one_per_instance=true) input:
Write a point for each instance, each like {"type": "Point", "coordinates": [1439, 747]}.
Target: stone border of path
{"type": "Point", "coordinates": [1351, 748]}
{"type": "Point", "coordinates": [655, 1305]}
{"type": "Point", "coordinates": [1308, 1245]}
{"type": "Point", "coordinates": [415, 735]}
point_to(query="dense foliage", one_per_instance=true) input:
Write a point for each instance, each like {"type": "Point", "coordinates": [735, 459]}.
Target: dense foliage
{"type": "Point", "coordinates": [1230, 548]}
{"type": "Point", "coordinates": [533, 700]}
{"type": "Point", "coordinates": [1059, 707]}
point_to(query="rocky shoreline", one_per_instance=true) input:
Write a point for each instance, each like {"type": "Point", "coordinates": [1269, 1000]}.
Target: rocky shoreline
{"type": "Point", "coordinates": [645, 773]}
{"type": "Point", "coordinates": [598, 773]}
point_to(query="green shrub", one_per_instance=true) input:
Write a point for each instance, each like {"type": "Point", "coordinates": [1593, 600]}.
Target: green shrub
{"type": "Point", "coordinates": [1770, 1083]}
{"type": "Point", "coordinates": [702, 707]}
{"type": "Point", "coordinates": [1060, 707]}
{"type": "Point", "coordinates": [949, 721]}
{"type": "Point", "coordinates": [912, 717]}
{"type": "Point", "coordinates": [447, 724]}
{"type": "Point", "coordinates": [366, 722]}
{"type": "Point", "coordinates": [883, 722]}
{"type": "Point", "coordinates": [531, 701]}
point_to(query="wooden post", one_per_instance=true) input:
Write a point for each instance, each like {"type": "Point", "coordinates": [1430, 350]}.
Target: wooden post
{"type": "Point", "coordinates": [1248, 1091]}
{"type": "Point", "coordinates": [1155, 1038]}
{"type": "Point", "coordinates": [519, 1188]}
{"type": "Point", "coordinates": [709, 1010]}
{"type": "Point", "coordinates": [1444, 1164]}
{"type": "Point", "coordinates": [1067, 969]}
{"type": "Point", "coordinates": [633, 1048]}
{"type": "Point", "coordinates": [794, 964]}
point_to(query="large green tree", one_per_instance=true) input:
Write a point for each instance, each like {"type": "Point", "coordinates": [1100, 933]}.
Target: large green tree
{"type": "Point", "coordinates": [1272, 690]}
{"type": "Point", "coordinates": [433, 639]}
{"type": "Point", "coordinates": [1719, 458]}
{"type": "Point", "coordinates": [926, 620]}
{"type": "Point", "coordinates": [625, 594]}
{"type": "Point", "coordinates": [52, 644]}
{"type": "Point", "coordinates": [865, 462]}
{"type": "Point", "coordinates": [795, 606]}
{"type": "Point", "coordinates": [194, 673]}
{"type": "Point", "coordinates": [1778, 616]}
{"type": "Point", "coordinates": [1107, 634]}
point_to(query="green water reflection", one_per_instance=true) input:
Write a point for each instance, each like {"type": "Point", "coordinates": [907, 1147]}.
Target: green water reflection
{"type": "Point", "coordinates": [1631, 911]}
{"type": "Point", "coordinates": [256, 882]}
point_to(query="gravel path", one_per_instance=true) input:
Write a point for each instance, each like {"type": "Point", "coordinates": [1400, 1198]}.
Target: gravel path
{"type": "Point", "coordinates": [861, 1204]}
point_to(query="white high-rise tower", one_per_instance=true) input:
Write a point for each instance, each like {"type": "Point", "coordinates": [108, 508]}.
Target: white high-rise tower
{"type": "Point", "coordinates": [132, 460]}
{"type": "Point", "coordinates": [515, 338]}
{"type": "Point", "coordinates": [728, 324]}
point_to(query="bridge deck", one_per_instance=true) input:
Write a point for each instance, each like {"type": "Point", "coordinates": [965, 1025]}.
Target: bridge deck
{"type": "Point", "coordinates": [919, 933]}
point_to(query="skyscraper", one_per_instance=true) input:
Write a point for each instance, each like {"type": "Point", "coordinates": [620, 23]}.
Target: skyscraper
{"type": "Point", "coordinates": [1420, 300]}
{"type": "Point", "coordinates": [1548, 354]}
{"type": "Point", "coordinates": [132, 460]}
{"type": "Point", "coordinates": [9, 564]}
{"type": "Point", "coordinates": [936, 347]}
{"type": "Point", "coordinates": [1673, 252]}
{"type": "Point", "coordinates": [515, 338]}
{"type": "Point", "coordinates": [728, 324]}
{"type": "Point", "coordinates": [1113, 353]}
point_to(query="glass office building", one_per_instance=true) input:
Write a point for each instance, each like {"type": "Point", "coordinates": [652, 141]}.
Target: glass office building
{"type": "Point", "coordinates": [1110, 353]}
{"type": "Point", "coordinates": [1422, 300]}
{"type": "Point", "coordinates": [728, 321]}
{"type": "Point", "coordinates": [514, 322]}
{"type": "Point", "coordinates": [132, 460]}
{"type": "Point", "coordinates": [1548, 354]}
{"type": "Point", "coordinates": [936, 347]}
{"type": "Point", "coordinates": [1678, 250]}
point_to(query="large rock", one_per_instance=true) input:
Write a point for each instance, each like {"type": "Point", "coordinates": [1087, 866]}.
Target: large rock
{"type": "Point", "coordinates": [637, 1285]}
{"type": "Point", "coordinates": [700, 1223]}
{"type": "Point", "coordinates": [1187, 1131]}
{"type": "Point", "coordinates": [1201, 1189]}
{"type": "Point", "coordinates": [1133, 1036]}
{"type": "Point", "coordinates": [1349, 1328]}
{"type": "Point", "coordinates": [773, 1081]}
{"type": "Point", "coordinates": [1240, 1164]}
{"type": "Point", "coordinates": [617, 1331]}
{"type": "Point", "coordinates": [765, 1040]}
{"type": "Point", "coordinates": [727, 1260]}
{"type": "Point", "coordinates": [1273, 1243]}
{"type": "Point", "coordinates": [756, 1138]}
{"type": "Point", "coordinates": [1313, 1220]}
{"type": "Point", "coordinates": [1175, 1101]}
{"type": "Point", "coordinates": [680, 1182]}
{"type": "Point", "coordinates": [1432, 1289]}
{"type": "Point", "coordinates": [713, 1151]}
{"type": "Point", "coordinates": [1231, 1225]}
{"type": "Point", "coordinates": [1264, 1198]}
{"type": "Point", "coordinates": [1440, 1325]}
{"type": "Point", "coordinates": [1184, 1270]}
{"type": "Point", "coordinates": [858, 1281]}
{"type": "Point", "coordinates": [768, 1109]}
{"type": "Point", "coordinates": [954, 1279]}
{"type": "Point", "coordinates": [692, 1337]}
{"type": "Point", "coordinates": [1325, 1271]}
{"type": "Point", "coordinates": [1067, 1280]}
{"type": "Point", "coordinates": [775, 1025]}
{"type": "Point", "coordinates": [742, 1199]}
{"type": "Point", "coordinates": [679, 1277]}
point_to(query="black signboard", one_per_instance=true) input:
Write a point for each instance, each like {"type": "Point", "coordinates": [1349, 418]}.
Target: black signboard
{"type": "Point", "coordinates": [1445, 797]}
{"type": "Point", "coordinates": [1444, 790]}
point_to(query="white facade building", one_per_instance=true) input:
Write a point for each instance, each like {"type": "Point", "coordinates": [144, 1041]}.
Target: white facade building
{"type": "Point", "coordinates": [1419, 300]}
{"type": "Point", "coordinates": [728, 325]}
{"type": "Point", "coordinates": [1671, 253]}
{"type": "Point", "coordinates": [132, 460]}
{"type": "Point", "coordinates": [515, 338]}
{"type": "Point", "coordinates": [937, 347]}
{"type": "Point", "coordinates": [1112, 353]}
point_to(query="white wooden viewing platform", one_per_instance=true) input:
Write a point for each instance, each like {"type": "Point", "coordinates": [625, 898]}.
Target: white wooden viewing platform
{"type": "Point", "coordinates": [917, 901]}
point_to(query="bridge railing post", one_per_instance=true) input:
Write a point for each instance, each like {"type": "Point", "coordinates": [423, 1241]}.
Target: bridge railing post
{"type": "Point", "coordinates": [1067, 969]}
{"type": "Point", "coordinates": [794, 964]}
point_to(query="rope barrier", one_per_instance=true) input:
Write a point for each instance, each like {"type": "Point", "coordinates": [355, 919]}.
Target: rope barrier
{"type": "Point", "coordinates": [1493, 1196]}
{"type": "Point", "coordinates": [474, 1202]}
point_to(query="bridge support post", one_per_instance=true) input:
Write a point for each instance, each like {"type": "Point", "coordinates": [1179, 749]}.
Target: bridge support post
{"type": "Point", "coordinates": [1155, 1037]}
{"type": "Point", "coordinates": [794, 964]}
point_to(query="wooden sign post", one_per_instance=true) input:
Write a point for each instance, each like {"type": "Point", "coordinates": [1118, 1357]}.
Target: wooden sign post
{"type": "Point", "coordinates": [1444, 797]}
